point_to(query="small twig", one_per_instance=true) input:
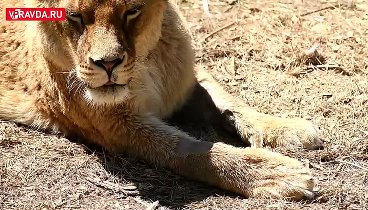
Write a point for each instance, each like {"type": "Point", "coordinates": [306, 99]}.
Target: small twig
{"type": "Point", "coordinates": [217, 30]}
{"type": "Point", "coordinates": [235, 37]}
{"type": "Point", "coordinates": [313, 165]}
{"type": "Point", "coordinates": [352, 164]}
{"type": "Point", "coordinates": [356, 84]}
{"type": "Point", "coordinates": [206, 7]}
{"type": "Point", "coordinates": [311, 68]}
{"type": "Point", "coordinates": [148, 206]}
{"type": "Point", "coordinates": [153, 206]}
{"type": "Point", "coordinates": [129, 190]}
{"type": "Point", "coordinates": [321, 66]}
{"type": "Point", "coordinates": [318, 10]}
{"type": "Point", "coordinates": [228, 9]}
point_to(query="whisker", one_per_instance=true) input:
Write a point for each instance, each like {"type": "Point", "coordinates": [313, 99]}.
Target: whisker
{"type": "Point", "coordinates": [73, 83]}
{"type": "Point", "coordinates": [62, 72]}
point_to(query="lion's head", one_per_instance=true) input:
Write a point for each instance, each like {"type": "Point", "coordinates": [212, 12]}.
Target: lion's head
{"type": "Point", "coordinates": [104, 39]}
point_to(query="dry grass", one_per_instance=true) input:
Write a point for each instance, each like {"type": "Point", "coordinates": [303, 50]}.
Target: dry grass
{"type": "Point", "coordinates": [258, 51]}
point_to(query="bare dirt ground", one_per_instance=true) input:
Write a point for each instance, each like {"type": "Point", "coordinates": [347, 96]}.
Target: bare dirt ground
{"type": "Point", "coordinates": [258, 51]}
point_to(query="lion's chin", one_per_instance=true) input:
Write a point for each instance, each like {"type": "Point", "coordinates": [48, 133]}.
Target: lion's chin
{"type": "Point", "coordinates": [107, 95]}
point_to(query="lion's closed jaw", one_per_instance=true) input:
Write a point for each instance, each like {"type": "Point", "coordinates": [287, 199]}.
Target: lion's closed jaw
{"type": "Point", "coordinates": [107, 95]}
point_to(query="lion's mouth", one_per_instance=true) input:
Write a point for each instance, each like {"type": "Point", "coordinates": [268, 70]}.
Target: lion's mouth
{"type": "Point", "coordinates": [109, 87]}
{"type": "Point", "coordinates": [112, 86]}
{"type": "Point", "coordinates": [110, 83]}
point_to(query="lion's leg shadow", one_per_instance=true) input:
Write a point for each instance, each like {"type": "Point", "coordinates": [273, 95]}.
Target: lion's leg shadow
{"type": "Point", "coordinates": [254, 128]}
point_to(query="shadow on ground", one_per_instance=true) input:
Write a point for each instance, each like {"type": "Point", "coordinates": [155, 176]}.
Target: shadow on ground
{"type": "Point", "coordinates": [157, 184]}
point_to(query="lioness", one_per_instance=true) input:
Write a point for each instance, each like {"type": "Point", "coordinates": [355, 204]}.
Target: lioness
{"type": "Point", "coordinates": [115, 69]}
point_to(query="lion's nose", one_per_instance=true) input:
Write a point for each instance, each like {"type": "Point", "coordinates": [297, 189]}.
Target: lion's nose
{"type": "Point", "coordinates": [108, 65]}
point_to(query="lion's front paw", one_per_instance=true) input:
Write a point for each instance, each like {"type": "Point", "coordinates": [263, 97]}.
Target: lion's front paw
{"type": "Point", "coordinates": [281, 177]}
{"type": "Point", "coordinates": [291, 183]}
{"type": "Point", "coordinates": [289, 133]}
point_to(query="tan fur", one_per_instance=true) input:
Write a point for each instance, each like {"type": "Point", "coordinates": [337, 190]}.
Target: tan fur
{"type": "Point", "coordinates": [48, 81]}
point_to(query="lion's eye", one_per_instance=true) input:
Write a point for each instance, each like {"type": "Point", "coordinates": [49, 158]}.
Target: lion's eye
{"type": "Point", "coordinates": [76, 17]}
{"type": "Point", "coordinates": [132, 13]}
